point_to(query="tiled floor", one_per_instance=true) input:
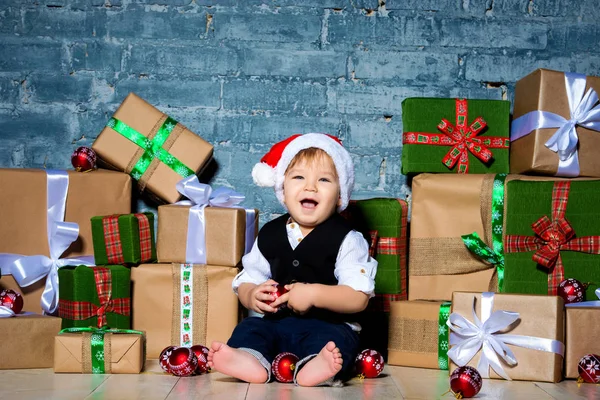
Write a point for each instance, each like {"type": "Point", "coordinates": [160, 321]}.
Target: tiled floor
{"type": "Point", "coordinates": [394, 383]}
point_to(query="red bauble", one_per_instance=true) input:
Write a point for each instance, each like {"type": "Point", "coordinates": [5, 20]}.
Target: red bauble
{"type": "Point", "coordinates": [201, 353]}
{"type": "Point", "coordinates": [183, 361]}
{"type": "Point", "coordinates": [11, 299]}
{"type": "Point", "coordinates": [283, 367]}
{"type": "Point", "coordinates": [465, 382]}
{"type": "Point", "coordinates": [369, 363]}
{"type": "Point", "coordinates": [163, 359]}
{"type": "Point", "coordinates": [589, 368]}
{"type": "Point", "coordinates": [83, 159]}
{"type": "Point", "coordinates": [280, 291]}
{"type": "Point", "coordinates": [571, 290]}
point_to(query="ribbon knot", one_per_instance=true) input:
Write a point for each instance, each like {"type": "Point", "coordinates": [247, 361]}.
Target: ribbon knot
{"type": "Point", "coordinates": [554, 236]}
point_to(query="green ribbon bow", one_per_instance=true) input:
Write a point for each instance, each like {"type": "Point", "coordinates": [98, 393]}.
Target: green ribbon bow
{"type": "Point", "coordinates": [443, 335]}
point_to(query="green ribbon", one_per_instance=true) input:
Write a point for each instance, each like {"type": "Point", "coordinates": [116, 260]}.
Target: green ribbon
{"type": "Point", "coordinates": [152, 147]}
{"type": "Point", "coordinates": [443, 335]}
{"type": "Point", "coordinates": [97, 343]}
{"type": "Point", "coordinates": [474, 243]}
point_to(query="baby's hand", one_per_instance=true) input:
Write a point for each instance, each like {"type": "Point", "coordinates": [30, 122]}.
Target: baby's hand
{"type": "Point", "coordinates": [262, 295]}
{"type": "Point", "coordinates": [299, 298]}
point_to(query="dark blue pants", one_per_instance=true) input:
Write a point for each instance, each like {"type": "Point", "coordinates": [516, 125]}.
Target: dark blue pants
{"type": "Point", "coordinates": [300, 336]}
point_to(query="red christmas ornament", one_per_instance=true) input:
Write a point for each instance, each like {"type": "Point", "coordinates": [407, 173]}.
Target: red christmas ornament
{"type": "Point", "coordinates": [589, 368]}
{"type": "Point", "coordinates": [571, 290]}
{"type": "Point", "coordinates": [283, 367]}
{"type": "Point", "coordinates": [163, 359]}
{"type": "Point", "coordinates": [465, 382]}
{"type": "Point", "coordinates": [183, 361]}
{"type": "Point", "coordinates": [369, 363]}
{"type": "Point", "coordinates": [201, 353]}
{"type": "Point", "coordinates": [280, 291]}
{"type": "Point", "coordinates": [11, 299]}
{"type": "Point", "coordinates": [83, 159]}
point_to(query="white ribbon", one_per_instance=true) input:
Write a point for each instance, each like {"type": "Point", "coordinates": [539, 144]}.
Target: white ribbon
{"type": "Point", "coordinates": [202, 195]}
{"type": "Point", "coordinates": [468, 338]}
{"type": "Point", "coordinates": [6, 312]}
{"type": "Point", "coordinates": [26, 270]}
{"type": "Point", "coordinates": [594, 303]}
{"type": "Point", "coordinates": [584, 111]}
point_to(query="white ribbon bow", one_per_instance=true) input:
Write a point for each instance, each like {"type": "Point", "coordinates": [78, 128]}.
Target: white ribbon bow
{"type": "Point", "coordinates": [593, 303]}
{"type": "Point", "coordinates": [26, 270]}
{"type": "Point", "coordinates": [468, 338]}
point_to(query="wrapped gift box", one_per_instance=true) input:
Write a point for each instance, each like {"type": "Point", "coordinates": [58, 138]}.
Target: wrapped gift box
{"type": "Point", "coordinates": [24, 216]}
{"type": "Point", "coordinates": [546, 91]}
{"type": "Point", "coordinates": [120, 353]}
{"type": "Point", "coordinates": [126, 238]}
{"type": "Point", "coordinates": [430, 145]}
{"type": "Point", "coordinates": [183, 304]}
{"type": "Point", "coordinates": [418, 335]}
{"type": "Point", "coordinates": [28, 341]}
{"type": "Point", "coordinates": [383, 223]}
{"type": "Point", "coordinates": [226, 232]}
{"type": "Point", "coordinates": [85, 291]}
{"type": "Point", "coordinates": [582, 333]}
{"type": "Point", "coordinates": [151, 146]}
{"type": "Point", "coordinates": [539, 317]}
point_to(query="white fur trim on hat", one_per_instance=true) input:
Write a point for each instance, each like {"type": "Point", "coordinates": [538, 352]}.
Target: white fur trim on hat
{"type": "Point", "coordinates": [263, 175]}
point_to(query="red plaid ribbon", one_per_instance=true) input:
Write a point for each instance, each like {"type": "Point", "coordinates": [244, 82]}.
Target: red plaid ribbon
{"type": "Point", "coordinates": [112, 239]}
{"type": "Point", "coordinates": [383, 245]}
{"type": "Point", "coordinates": [552, 237]}
{"type": "Point", "coordinates": [82, 310]}
{"type": "Point", "coordinates": [462, 138]}
{"type": "Point", "coordinates": [145, 237]}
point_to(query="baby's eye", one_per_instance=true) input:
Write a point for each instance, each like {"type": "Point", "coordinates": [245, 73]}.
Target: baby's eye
{"type": "Point", "coordinates": [325, 180]}
{"type": "Point", "coordinates": [297, 177]}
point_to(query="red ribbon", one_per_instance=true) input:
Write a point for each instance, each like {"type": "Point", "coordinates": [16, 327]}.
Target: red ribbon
{"type": "Point", "coordinates": [112, 238]}
{"type": "Point", "coordinates": [462, 138]}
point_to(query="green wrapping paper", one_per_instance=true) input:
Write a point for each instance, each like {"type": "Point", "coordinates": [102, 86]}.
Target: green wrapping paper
{"type": "Point", "coordinates": [95, 296]}
{"type": "Point", "coordinates": [425, 114]}
{"type": "Point", "coordinates": [124, 239]}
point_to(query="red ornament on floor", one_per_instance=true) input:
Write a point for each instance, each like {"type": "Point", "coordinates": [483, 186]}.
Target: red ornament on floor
{"type": "Point", "coordinates": [84, 159]}
{"type": "Point", "coordinates": [183, 361]}
{"type": "Point", "coordinates": [163, 359]}
{"type": "Point", "coordinates": [11, 299]}
{"type": "Point", "coordinates": [369, 363]}
{"type": "Point", "coordinates": [280, 291]}
{"type": "Point", "coordinates": [283, 367]}
{"type": "Point", "coordinates": [571, 290]}
{"type": "Point", "coordinates": [465, 382]}
{"type": "Point", "coordinates": [589, 369]}
{"type": "Point", "coordinates": [201, 353]}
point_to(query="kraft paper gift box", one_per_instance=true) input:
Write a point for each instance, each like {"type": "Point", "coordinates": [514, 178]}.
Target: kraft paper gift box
{"type": "Point", "coordinates": [455, 136]}
{"type": "Point", "coordinates": [124, 239]}
{"type": "Point", "coordinates": [152, 147]}
{"type": "Point", "coordinates": [28, 341]}
{"type": "Point", "coordinates": [582, 332]}
{"type": "Point", "coordinates": [119, 352]}
{"type": "Point", "coordinates": [418, 335]}
{"type": "Point", "coordinates": [183, 304]}
{"type": "Point", "coordinates": [24, 228]}
{"type": "Point", "coordinates": [542, 109]}
{"type": "Point", "coordinates": [540, 319]}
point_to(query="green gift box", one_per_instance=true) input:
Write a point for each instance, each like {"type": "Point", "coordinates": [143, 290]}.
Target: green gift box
{"type": "Point", "coordinates": [551, 233]}
{"type": "Point", "coordinates": [455, 136]}
{"type": "Point", "coordinates": [94, 296]}
{"type": "Point", "coordinates": [124, 239]}
{"type": "Point", "coordinates": [383, 223]}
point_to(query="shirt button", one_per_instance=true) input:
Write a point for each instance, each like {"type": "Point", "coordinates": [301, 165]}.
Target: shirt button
{"type": "Point", "coordinates": [362, 271]}
{"type": "Point", "coordinates": [299, 240]}
{"type": "Point", "coordinates": [293, 226]}
{"type": "Point", "coordinates": [295, 263]}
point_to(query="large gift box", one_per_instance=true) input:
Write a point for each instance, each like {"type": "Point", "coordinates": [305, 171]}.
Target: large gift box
{"type": "Point", "coordinates": [71, 197]}
{"type": "Point", "coordinates": [99, 351]}
{"type": "Point", "coordinates": [418, 335]}
{"type": "Point", "coordinates": [582, 333]}
{"type": "Point", "coordinates": [554, 129]}
{"type": "Point", "coordinates": [455, 136]}
{"type": "Point", "coordinates": [95, 296]}
{"type": "Point", "coordinates": [152, 147]}
{"type": "Point", "coordinates": [517, 337]}
{"type": "Point", "coordinates": [28, 341]}
{"type": "Point", "coordinates": [183, 304]}
{"type": "Point", "coordinates": [124, 239]}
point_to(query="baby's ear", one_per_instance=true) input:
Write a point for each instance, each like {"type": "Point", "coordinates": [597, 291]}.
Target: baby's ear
{"type": "Point", "coordinates": [339, 202]}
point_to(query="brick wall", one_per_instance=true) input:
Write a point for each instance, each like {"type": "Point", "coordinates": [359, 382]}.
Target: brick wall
{"type": "Point", "coordinates": [244, 74]}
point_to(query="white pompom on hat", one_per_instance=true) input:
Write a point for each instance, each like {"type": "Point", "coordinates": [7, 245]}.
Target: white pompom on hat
{"type": "Point", "coordinates": [269, 172]}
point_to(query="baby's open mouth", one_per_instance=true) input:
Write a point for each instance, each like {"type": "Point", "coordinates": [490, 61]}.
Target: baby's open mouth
{"type": "Point", "coordinates": [309, 203]}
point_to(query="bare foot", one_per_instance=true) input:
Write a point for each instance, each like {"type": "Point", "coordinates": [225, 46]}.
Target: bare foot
{"type": "Point", "coordinates": [236, 363]}
{"type": "Point", "coordinates": [324, 366]}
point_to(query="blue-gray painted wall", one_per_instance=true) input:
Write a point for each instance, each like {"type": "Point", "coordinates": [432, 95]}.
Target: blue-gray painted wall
{"type": "Point", "coordinates": [245, 74]}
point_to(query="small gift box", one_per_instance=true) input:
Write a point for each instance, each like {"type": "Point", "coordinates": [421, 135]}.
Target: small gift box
{"type": "Point", "coordinates": [508, 336]}
{"type": "Point", "coordinates": [152, 147]}
{"type": "Point", "coordinates": [418, 335]}
{"type": "Point", "coordinates": [455, 135]}
{"type": "Point", "coordinates": [99, 351]}
{"type": "Point", "coordinates": [95, 296]}
{"type": "Point", "coordinates": [582, 333]}
{"type": "Point", "coordinates": [183, 304]}
{"type": "Point", "coordinates": [555, 125]}
{"type": "Point", "coordinates": [126, 238]}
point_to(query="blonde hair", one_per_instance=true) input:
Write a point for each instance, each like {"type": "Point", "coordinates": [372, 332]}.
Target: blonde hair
{"type": "Point", "coordinates": [309, 155]}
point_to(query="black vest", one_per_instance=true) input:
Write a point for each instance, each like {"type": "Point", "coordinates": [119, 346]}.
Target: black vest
{"type": "Point", "coordinates": [313, 260]}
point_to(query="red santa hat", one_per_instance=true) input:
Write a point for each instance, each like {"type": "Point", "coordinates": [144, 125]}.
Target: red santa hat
{"type": "Point", "coordinates": [271, 169]}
